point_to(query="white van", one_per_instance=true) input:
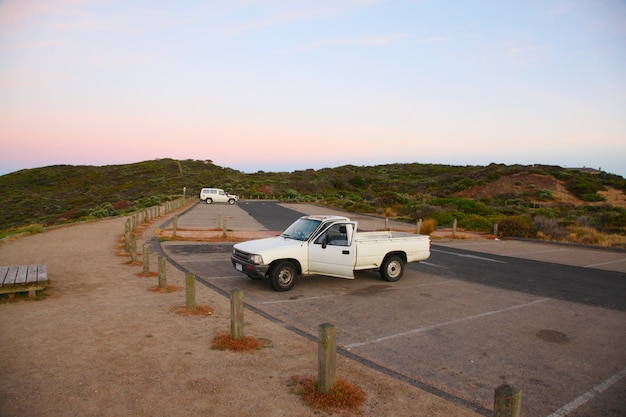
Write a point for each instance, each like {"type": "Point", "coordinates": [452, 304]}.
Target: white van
{"type": "Point", "coordinates": [217, 195]}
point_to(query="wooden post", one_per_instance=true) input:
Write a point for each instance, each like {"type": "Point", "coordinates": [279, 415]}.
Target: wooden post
{"type": "Point", "coordinates": [507, 401]}
{"type": "Point", "coordinates": [133, 249]}
{"type": "Point", "coordinates": [419, 226]}
{"type": "Point", "coordinates": [224, 230]}
{"type": "Point", "coordinates": [174, 226]}
{"type": "Point", "coordinates": [326, 357]}
{"type": "Point", "coordinates": [454, 226]}
{"type": "Point", "coordinates": [146, 258]}
{"type": "Point", "coordinates": [495, 229]}
{"type": "Point", "coordinates": [386, 223]}
{"type": "Point", "coordinates": [127, 236]}
{"type": "Point", "coordinates": [162, 278]}
{"type": "Point", "coordinates": [190, 280]}
{"type": "Point", "coordinates": [236, 314]}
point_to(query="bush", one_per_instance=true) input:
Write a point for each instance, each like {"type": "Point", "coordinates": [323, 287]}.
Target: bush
{"type": "Point", "coordinates": [549, 227]}
{"type": "Point", "coordinates": [428, 226]}
{"type": "Point", "coordinates": [515, 226]}
{"type": "Point", "coordinates": [476, 223]}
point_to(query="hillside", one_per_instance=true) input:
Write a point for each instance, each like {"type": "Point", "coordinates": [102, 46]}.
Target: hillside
{"type": "Point", "coordinates": [477, 196]}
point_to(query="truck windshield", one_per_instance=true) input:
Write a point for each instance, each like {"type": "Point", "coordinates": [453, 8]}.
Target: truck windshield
{"type": "Point", "coordinates": [302, 229]}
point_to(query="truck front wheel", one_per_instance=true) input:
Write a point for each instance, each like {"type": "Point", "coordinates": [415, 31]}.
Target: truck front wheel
{"type": "Point", "coordinates": [209, 201]}
{"type": "Point", "coordinates": [283, 276]}
{"type": "Point", "coordinates": [392, 268]}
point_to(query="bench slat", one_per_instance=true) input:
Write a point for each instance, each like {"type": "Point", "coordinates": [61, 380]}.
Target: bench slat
{"type": "Point", "coordinates": [42, 273]}
{"type": "Point", "coordinates": [22, 273]}
{"type": "Point", "coordinates": [11, 275]}
{"type": "Point", "coordinates": [31, 277]}
{"type": "Point", "coordinates": [3, 274]}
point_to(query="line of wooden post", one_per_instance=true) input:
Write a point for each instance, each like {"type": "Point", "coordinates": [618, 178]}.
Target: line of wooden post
{"type": "Point", "coordinates": [146, 258]}
{"type": "Point", "coordinates": [326, 357]}
{"type": "Point", "coordinates": [507, 401]}
{"type": "Point", "coordinates": [236, 314]}
{"type": "Point", "coordinates": [162, 277]}
{"type": "Point", "coordinates": [190, 290]}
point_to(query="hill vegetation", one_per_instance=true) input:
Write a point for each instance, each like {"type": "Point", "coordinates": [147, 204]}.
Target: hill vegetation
{"type": "Point", "coordinates": [525, 201]}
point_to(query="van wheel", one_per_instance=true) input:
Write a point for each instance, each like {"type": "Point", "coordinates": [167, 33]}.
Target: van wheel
{"type": "Point", "coordinates": [392, 268]}
{"type": "Point", "coordinates": [209, 201]}
{"type": "Point", "coordinates": [231, 201]}
{"type": "Point", "coordinates": [283, 276]}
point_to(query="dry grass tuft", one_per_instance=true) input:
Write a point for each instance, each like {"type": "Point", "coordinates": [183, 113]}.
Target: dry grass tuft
{"type": "Point", "coordinates": [199, 311]}
{"type": "Point", "coordinates": [244, 344]}
{"type": "Point", "coordinates": [428, 226]}
{"type": "Point", "coordinates": [165, 290]}
{"type": "Point", "coordinates": [342, 398]}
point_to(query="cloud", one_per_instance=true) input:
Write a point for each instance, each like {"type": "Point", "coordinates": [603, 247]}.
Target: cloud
{"type": "Point", "coordinates": [364, 40]}
{"type": "Point", "coordinates": [434, 39]}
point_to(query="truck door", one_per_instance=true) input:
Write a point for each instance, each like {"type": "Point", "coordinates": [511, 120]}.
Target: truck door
{"type": "Point", "coordinates": [333, 252]}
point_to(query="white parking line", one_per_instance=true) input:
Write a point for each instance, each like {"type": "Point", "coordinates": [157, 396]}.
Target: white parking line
{"type": "Point", "coordinates": [445, 323]}
{"type": "Point", "coordinates": [606, 263]}
{"type": "Point", "coordinates": [404, 287]}
{"type": "Point", "coordinates": [536, 251]}
{"type": "Point", "coordinates": [434, 265]}
{"type": "Point", "coordinates": [463, 255]}
{"type": "Point", "coordinates": [598, 389]}
{"type": "Point", "coordinates": [299, 299]}
{"type": "Point", "coordinates": [224, 277]}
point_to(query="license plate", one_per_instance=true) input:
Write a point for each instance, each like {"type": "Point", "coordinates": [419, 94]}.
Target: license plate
{"type": "Point", "coordinates": [239, 267]}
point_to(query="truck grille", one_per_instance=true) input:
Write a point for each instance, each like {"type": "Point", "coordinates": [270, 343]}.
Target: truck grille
{"type": "Point", "coordinates": [241, 256]}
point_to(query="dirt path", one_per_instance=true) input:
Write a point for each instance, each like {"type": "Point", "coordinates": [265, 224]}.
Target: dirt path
{"type": "Point", "coordinates": [102, 344]}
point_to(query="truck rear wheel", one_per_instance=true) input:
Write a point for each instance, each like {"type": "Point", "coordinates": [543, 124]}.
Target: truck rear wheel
{"type": "Point", "coordinates": [231, 201]}
{"type": "Point", "coordinates": [283, 276]}
{"type": "Point", "coordinates": [209, 201]}
{"type": "Point", "coordinates": [392, 268]}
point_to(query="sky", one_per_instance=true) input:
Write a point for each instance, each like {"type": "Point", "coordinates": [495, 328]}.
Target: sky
{"type": "Point", "coordinates": [286, 85]}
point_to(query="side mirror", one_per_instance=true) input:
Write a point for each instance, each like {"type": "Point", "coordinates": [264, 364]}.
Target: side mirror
{"type": "Point", "coordinates": [325, 241]}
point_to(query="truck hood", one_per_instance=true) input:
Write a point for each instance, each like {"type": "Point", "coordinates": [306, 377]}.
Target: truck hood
{"type": "Point", "coordinates": [268, 245]}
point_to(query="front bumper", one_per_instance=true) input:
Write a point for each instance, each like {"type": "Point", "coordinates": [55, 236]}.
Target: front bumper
{"type": "Point", "coordinates": [250, 269]}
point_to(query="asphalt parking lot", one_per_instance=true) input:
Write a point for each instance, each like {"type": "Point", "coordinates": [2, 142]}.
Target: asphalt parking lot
{"type": "Point", "coordinates": [456, 338]}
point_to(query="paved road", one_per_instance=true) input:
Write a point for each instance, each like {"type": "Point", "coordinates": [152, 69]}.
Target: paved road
{"type": "Point", "coordinates": [458, 325]}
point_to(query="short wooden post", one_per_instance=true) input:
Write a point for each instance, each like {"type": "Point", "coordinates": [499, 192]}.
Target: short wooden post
{"type": "Point", "coordinates": [133, 249]}
{"type": "Point", "coordinates": [386, 223]}
{"type": "Point", "coordinates": [146, 258]}
{"type": "Point", "coordinates": [190, 287]}
{"type": "Point", "coordinates": [507, 401]}
{"type": "Point", "coordinates": [326, 357]}
{"type": "Point", "coordinates": [127, 236]}
{"type": "Point", "coordinates": [454, 222]}
{"type": "Point", "coordinates": [224, 230]}
{"type": "Point", "coordinates": [418, 227]}
{"type": "Point", "coordinates": [174, 226]}
{"type": "Point", "coordinates": [495, 229]}
{"type": "Point", "coordinates": [162, 277]}
{"type": "Point", "coordinates": [236, 314]}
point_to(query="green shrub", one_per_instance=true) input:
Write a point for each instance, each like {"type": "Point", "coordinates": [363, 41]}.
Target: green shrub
{"type": "Point", "coordinates": [476, 223]}
{"type": "Point", "coordinates": [515, 226]}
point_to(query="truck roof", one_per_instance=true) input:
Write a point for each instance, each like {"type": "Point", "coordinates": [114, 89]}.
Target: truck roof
{"type": "Point", "coordinates": [324, 218]}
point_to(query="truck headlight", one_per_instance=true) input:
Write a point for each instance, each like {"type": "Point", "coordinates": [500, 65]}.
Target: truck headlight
{"type": "Point", "coordinates": [255, 259]}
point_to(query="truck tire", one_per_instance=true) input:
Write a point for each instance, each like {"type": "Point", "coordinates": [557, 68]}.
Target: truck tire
{"type": "Point", "coordinates": [283, 276]}
{"type": "Point", "coordinates": [392, 268]}
{"type": "Point", "coordinates": [231, 201]}
{"type": "Point", "coordinates": [209, 201]}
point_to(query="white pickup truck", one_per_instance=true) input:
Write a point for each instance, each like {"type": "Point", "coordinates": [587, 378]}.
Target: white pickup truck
{"type": "Point", "coordinates": [327, 245]}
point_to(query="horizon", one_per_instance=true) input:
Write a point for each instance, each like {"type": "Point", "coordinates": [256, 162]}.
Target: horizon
{"type": "Point", "coordinates": [318, 168]}
{"type": "Point", "coordinates": [284, 86]}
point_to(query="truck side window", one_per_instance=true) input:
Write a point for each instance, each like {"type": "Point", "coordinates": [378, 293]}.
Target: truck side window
{"type": "Point", "coordinates": [337, 235]}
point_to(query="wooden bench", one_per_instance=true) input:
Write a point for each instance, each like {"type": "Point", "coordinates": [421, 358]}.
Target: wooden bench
{"type": "Point", "coordinates": [23, 278]}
